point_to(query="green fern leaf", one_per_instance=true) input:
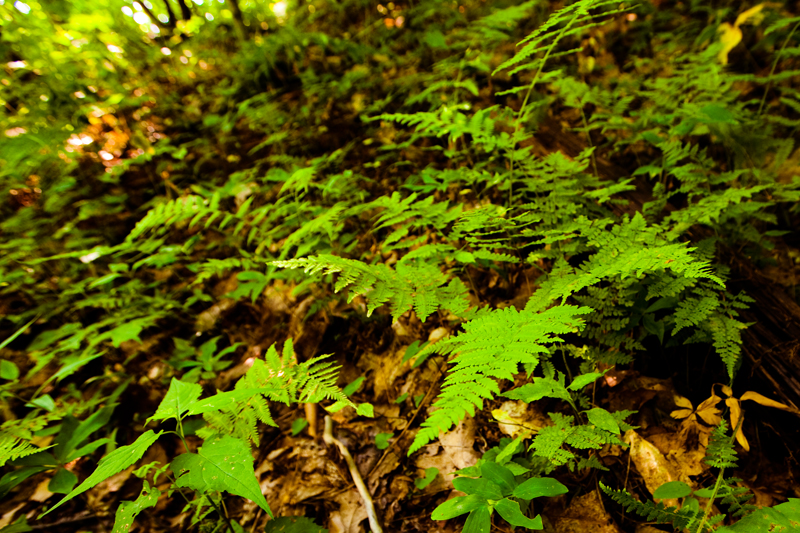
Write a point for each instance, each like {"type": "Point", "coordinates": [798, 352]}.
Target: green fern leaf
{"type": "Point", "coordinates": [491, 347]}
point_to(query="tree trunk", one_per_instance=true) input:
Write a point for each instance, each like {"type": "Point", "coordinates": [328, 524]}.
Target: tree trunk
{"type": "Point", "coordinates": [172, 20]}
{"type": "Point", "coordinates": [186, 13]}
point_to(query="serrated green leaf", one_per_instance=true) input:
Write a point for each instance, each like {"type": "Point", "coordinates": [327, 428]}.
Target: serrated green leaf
{"type": "Point", "coordinates": [458, 506]}
{"type": "Point", "coordinates": [220, 401]}
{"type": "Point", "coordinates": [539, 486]}
{"type": "Point", "coordinates": [111, 464]}
{"type": "Point", "coordinates": [509, 510]}
{"type": "Point", "coordinates": [603, 420]}
{"type": "Point", "coordinates": [221, 464]}
{"type": "Point", "coordinates": [672, 489]}
{"type": "Point", "coordinates": [127, 511]}
{"type": "Point", "coordinates": [180, 397]}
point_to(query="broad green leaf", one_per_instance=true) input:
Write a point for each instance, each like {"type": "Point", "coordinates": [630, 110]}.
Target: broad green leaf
{"type": "Point", "coordinates": [382, 440]}
{"type": "Point", "coordinates": [458, 506]}
{"type": "Point", "coordinates": [86, 449]}
{"type": "Point", "coordinates": [72, 365]}
{"type": "Point", "coordinates": [221, 464]}
{"type": "Point", "coordinates": [672, 489]}
{"type": "Point", "coordinates": [353, 387]}
{"type": "Point", "coordinates": [718, 113]}
{"type": "Point", "coordinates": [479, 521]}
{"type": "Point", "coordinates": [365, 409]}
{"type": "Point", "coordinates": [8, 370]}
{"type": "Point", "coordinates": [509, 451]}
{"type": "Point", "coordinates": [62, 482]}
{"type": "Point", "coordinates": [293, 524]}
{"type": "Point", "coordinates": [584, 379]}
{"type": "Point", "coordinates": [539, 486]}
{"type": "Point", "coordinates": [180, 397]}
{"type": "Point", "coordinates": [127, 511]}
{"type": "Point", "coordinates": [15, 477]}
{"type": "Point", "coordinates": [81, 432]}
{"type": "Point", "coordinates": [489, 490]}
{"type": "Point", "coordinates": [299, 425]}
{"type": "Point", "coordinates": [111, 464]}
{"type": "Point", "coordinates": [45, 401]}
{"type": "Point", "coordinates": [540, 388]}
{"type": "Point", "coordinates": [783, 518]}
{"type": "Point", "coordinates": [603, 419]}
{"type": "Point", "coordinates": [430, 475]}
{"type": "Point", "coordinates": [509, 509]}
{"type": "Point", "coordinates": [500, 475]}
{"type": "Point", "coordinates": [128, 331]}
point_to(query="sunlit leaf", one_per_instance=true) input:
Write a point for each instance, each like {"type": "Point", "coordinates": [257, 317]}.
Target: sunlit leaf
{"type": "Point", "coordinates": [111, 464]}
{"type": "Point", "coordinates": [221, 464]}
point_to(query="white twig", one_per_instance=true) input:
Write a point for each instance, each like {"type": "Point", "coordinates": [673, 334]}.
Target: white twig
{"type": "Point", "coordinates": [330, 440]}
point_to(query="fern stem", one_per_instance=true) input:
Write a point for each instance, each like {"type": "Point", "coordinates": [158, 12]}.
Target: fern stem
{"type": "Point", "coordinates": [707, 512]}
{"type": "Point", "coordinates": [518, 122]}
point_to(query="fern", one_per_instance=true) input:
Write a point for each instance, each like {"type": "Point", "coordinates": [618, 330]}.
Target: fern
{"type": "Point", "coordinates": [416, 284]}
{"type": "Point", "coordinates": [720, 452]}
{"type": "Point", "coordinates": [628, 249]}
{"type": "Point", "coordinates": [13, 447]}
{"type": "Point", "coordinates": [550, 440]}
{"type": "Point", "coordinates": [281, 379]}
{"type": "Point", "coordinates": [655, 512]}
{"type": "Point", "coordinates": [491, 347]}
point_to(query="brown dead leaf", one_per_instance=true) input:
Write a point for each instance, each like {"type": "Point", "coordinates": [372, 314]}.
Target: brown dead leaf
{"type": "Point", "coordinates": [651, 464]}
{"type": "Point", "coordinates": [586, 513]}
{"type": "Point", "coordinates": [351, 512]}
{"type": "Point", "coordinates": [454, 452]}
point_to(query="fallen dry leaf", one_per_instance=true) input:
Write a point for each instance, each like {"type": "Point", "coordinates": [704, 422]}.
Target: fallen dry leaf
{"type": "Point", "coordinates": [453, 452]}
{"type": "Point", "coordinates": [586, 513]}
{"type": "Point", "coordinates": [651, 464]}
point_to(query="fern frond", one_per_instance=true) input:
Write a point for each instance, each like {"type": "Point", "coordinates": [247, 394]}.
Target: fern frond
{"type": "Point", "coordinates": [13, 447]}
{"type": "Point", "coordinates": [654, 512]}
{"type": "Point", "coordinates": [550, 440]}
{"type": "Point", "coordinates": [576, 15]}
{"type": "Point", "coordinates": [629, 249]}
{"type": "Point", "coordinates": [491, 347]}
{"type": "Point", "coordinates": [280, 379]}
{"type": "Point", "coordinates": [720, 452]}
{"type": "Point", "coordinates": [416, 284]}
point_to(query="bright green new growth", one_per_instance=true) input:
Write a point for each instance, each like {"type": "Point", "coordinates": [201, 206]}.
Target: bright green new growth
{"type": "Point", "coordinates": [417, 284]}
{"type": "Point", "coordinates": [491, 348]}
{"type": "Point", "coordinates": [224, 462]}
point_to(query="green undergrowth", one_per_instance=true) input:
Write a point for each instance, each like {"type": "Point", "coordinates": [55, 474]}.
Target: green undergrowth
{"type": "Point", "coordinates": [394, 171]}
